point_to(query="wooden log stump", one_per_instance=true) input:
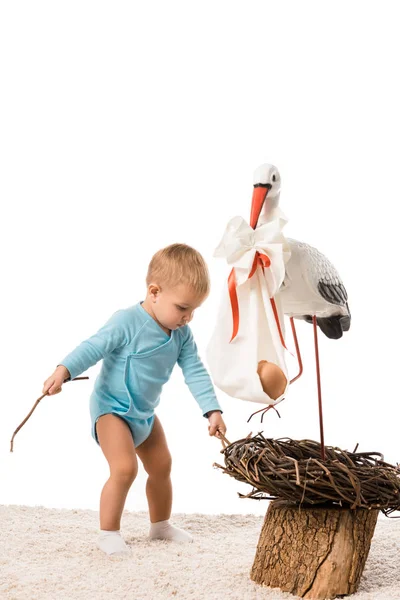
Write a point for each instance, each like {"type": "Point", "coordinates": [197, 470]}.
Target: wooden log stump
{"type": "Point", "coordinates": [316, 553]}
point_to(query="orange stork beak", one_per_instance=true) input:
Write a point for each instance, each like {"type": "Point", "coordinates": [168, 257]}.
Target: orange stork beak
{"type": "Point", "coordinates": [259, 194]}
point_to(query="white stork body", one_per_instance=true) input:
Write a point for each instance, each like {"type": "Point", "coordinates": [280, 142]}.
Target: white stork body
{"type": "Point", "coordinates": [312, 286]}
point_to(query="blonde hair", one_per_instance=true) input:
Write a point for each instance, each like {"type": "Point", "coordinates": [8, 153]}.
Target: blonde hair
{"type": "Point", "coordinates": [177, 264]}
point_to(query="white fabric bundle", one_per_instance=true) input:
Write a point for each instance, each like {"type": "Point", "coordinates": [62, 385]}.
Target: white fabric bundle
{"type": "Point", "coordinates": [233, 364]}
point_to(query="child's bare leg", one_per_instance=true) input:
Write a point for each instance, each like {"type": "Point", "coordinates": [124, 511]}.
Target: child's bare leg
{"type": "Point", "coordinates": [116, 442]}
{"type": "Point", "coordinates": [156, 459]}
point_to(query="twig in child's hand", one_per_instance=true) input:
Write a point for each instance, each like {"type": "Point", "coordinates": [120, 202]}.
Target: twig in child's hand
{"type": "Point", "coordinates": [34, 406]}
{"type": "Point", "coordinates": [223, 439]}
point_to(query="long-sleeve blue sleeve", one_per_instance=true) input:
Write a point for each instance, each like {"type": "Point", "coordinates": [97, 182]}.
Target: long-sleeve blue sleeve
{"type": "Point", "coordinates": [114, 334]}
{"type": "Point", "coordinates": [196, 375]}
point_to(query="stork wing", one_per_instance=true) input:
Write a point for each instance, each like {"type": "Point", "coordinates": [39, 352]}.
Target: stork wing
{"type": "Point", "coordinates": [335, 293]}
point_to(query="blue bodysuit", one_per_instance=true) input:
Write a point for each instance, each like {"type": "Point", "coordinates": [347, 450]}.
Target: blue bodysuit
{"type": "Point", "coordinates": [138, 358]}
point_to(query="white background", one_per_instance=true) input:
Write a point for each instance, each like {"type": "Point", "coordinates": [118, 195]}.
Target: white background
{"type": "Point", "coordinates": [129, 126]}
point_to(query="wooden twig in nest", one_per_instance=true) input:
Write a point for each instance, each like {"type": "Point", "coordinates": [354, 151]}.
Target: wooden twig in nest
{"type": "Point", "coordinates": [293, 470]}
{"type": "Point", "coordinates": [34, 406]}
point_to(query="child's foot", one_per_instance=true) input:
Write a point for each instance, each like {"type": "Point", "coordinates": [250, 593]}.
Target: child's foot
{"type": "Point", "coordinates": [111, 542]}
{"type": "Point", "coordinates": [163, 530]}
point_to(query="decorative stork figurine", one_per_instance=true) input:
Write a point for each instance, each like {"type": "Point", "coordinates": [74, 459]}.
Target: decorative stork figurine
{"type": "Point", "coordinates": [312, 289]}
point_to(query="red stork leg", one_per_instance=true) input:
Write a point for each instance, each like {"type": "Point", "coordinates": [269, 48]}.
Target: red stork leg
{"type": "Point", "coordinates": [321, 423]}
{"type": "Point", "coordinates": [296, 343]}
{"type": "Point", "coordinates": [264, 410]}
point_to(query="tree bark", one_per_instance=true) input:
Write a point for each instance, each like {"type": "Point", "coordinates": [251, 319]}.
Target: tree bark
{"type": "Point", "coordinates": [315, 553]}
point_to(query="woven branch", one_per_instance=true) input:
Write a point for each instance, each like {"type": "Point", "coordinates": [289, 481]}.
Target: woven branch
{"type": "Point", "coordinates": [293, 470]}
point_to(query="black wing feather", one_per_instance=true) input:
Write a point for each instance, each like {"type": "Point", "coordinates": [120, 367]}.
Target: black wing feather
{"type": "Point", "coordinates": [335, 293]}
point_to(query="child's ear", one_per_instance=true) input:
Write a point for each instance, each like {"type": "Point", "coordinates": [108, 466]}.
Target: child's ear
{"type": "Point", "coordinates": [154, 291]}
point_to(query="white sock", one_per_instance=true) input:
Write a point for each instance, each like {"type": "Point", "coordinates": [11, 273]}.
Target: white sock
{"type": "Point", "coordinates": [111, 542]}
{"type": "Point", "coordinates": [163, 530]}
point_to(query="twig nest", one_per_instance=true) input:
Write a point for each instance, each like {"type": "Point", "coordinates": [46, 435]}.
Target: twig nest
{"type": "Point", "coordinates": [294, 471]}
{"type": "Point", "coordinates": [272, 378]}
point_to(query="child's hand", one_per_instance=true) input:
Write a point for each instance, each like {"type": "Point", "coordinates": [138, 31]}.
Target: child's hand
{"type": "Point", "coordinates": [53, 384]}
{"type": "Point", "coordinates": [216, 423]}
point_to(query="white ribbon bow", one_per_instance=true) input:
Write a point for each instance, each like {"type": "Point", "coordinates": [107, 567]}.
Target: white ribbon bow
{"type": "Point", "coordinates": [240, 243]}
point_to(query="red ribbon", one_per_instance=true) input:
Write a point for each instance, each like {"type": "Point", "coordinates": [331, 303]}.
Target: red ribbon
{"type": "Point", "coordinates": [259, 260]}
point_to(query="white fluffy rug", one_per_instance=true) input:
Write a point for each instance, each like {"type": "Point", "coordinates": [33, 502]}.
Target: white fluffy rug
{"type": "Point", "coordinates": [48, 554]}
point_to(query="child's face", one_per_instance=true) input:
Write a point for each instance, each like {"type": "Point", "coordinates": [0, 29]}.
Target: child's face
{"type": "Point", "coordinates": [174, 307]}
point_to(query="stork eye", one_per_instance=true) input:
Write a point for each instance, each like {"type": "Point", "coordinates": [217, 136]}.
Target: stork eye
{"type": "Point", "coordinates": [273, 178]}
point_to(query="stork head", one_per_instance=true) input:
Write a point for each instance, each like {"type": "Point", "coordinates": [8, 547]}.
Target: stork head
{"type": "Point", "coordinates": [268, 176]}
{"type": "Point", "coordinates": [267, 187]}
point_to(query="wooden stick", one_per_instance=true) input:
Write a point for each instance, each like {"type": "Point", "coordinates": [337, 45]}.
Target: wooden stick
{"type": "Point", "coordinates": [34, 406]}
